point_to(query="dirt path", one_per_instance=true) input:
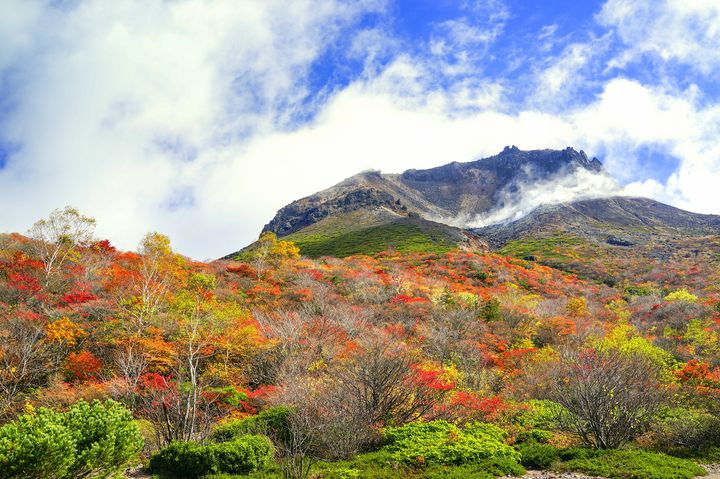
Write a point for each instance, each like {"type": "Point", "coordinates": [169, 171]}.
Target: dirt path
{"type": "Point", "coordinates": [713, 471]}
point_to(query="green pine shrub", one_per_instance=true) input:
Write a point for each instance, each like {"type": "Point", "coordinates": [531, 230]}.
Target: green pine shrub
{"type": "Point", "coordinates": [272, 422]}
{"type": "Point", "coordinates": [106, 438]}
{"type": "Point", "coordinates": [90, 440]}
{"type": "Point", "coordinates": [191, 460]}
{"type": "Point", "coordinates": [538, 456]}
{"type": "Point", "coordinates": [36, 445]}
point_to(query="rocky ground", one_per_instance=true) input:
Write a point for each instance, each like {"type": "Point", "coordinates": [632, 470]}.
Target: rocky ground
{"type": "Point", "coordinates": [712, 469]}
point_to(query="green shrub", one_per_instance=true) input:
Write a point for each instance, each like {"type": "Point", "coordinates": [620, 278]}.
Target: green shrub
{"type": "Point", "coordinates": [439, 442]}
{"type": "Point", "coordinates": [243, 455]}
{"type": "Point", "coordinates": [183, 459]}
{"type": "Point", "coordinates": [106, 438]}
{"type": "Point", "coordinates": [36, 445]}
{"type": "Point", "coordinates": [634, 464]}
{"type": "Point", "coordinates": [686, 432]}
{"type": "Point", "coordinates": [538, 456]}
{"type": "Point", "coordinates": [538, 436]}
{"type": "Point", "coordinates": [570, 453]}
{"type": "Point", "coordinates": [90, 440]}
{"type": "Point", "coordinates": [271, 422]}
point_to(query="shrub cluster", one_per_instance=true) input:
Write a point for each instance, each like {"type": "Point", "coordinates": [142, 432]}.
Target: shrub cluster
{"type": "Point", "coordinates": [89, 440]}
{"type": "Point", "coordinates": [273, 422]}
{"type": "Point", "coordinates": [439, 442]}
{"type": "Point", "coordinates": [190, 460]}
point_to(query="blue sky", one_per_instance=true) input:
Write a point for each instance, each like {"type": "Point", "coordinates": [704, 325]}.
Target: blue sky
{"type": "Point", "coordinates": [200, 119]}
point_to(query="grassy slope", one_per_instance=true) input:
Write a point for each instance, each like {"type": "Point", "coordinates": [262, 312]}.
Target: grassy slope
{"type": "Point", "coordinates": [359, 233]}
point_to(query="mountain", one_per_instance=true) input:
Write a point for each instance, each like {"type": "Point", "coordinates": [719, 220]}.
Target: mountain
{"type": "Point", "coordinates": [417, 209]}
{"type": "Point", "coordinates": [427, 210]}
{"type": "Point", "coordinates": [443, 193]}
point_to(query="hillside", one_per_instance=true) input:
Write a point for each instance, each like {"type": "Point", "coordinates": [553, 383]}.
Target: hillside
{"type": "Point", "coordinates": [599, 237]}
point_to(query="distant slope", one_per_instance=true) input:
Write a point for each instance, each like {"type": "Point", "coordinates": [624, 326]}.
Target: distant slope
{"type": "Point", "coordinates": [370, 232]}
{"type": "Point", "coordinates": [595, 237]}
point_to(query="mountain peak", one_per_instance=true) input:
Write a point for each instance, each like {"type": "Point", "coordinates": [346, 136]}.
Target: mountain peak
{"type": "Point", "coordinates": [441, 193]}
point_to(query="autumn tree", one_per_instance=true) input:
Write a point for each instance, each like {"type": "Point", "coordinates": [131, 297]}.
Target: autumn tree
{"type": "Point", "coordinates": [58, 237]}
{"type": "Point", "coordinates": [267, 251]}
{"type": "Point", "coordinates": [607, 398]}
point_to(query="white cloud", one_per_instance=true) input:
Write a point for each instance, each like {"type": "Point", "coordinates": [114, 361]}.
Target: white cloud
{"type": "Point", "coordinates": [561, 188]}
{"type": "Point", "coordinates": [686, 31]}
{"type": "Point", "coordinates": [113, 99]}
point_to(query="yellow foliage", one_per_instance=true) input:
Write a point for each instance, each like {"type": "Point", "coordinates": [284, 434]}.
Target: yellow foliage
{"type": "Point", "coordinates": [64, 330]}
{"type": "Point", "coordinates": [577, 307]}
{"type": "Point", "coordinates": [681, 295]}
{"type": "Point", "coordinates": [619, 307]}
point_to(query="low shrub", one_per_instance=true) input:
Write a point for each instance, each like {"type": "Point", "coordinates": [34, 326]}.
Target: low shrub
{"type": "Point", "coordinates": [90, 440]}
{"type": "Point", "coordinates": [190, 460]}
{"type": "Point", "coordinates": [381, 465]}
{"type": "Point", "coordinates": [539, 436]}
{"type": "Point", "coordinates": [634, 464]}
{"type": "Point", "coordinates": [439, 442]}
{"type": "Point", "coordinates": [570, 453]}
{"type": "Point", "coordinates": [106, 438]}
{"type": "Point", "coordinates": [686, 432]}
{"type": "Point", "coordinates": [36, 445]}
{"type": "Point", "coordinates": [538, 456]}
{"type": "Point", "coordinates": [271, 422]}
{"type": "Point", "coordinates": [243, 455]}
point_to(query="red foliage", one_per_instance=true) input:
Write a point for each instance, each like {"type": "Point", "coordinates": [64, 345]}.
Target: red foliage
{"type": "Point", "coordinates": [83, 365]}
{"type": "Point", "coordinates": [401, 298]}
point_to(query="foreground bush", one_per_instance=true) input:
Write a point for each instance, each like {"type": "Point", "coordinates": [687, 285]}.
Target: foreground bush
{"type": "Point", "coordinates": [90, 440]}
{"type": "Point", "coordinates": [190, 460]}
{"type": "Point", "coordinates": [686, 432]}
{"type": "Point", "coordinates": [440, 443]}
{"type": "Point", "coordinates": [633, 464]}
{"type": "Point", "coordinates": [381, 465]}
{"type": "Point", "coordinates": [538, 456]}
{"type": "Point", "coordinates": [273, 422]}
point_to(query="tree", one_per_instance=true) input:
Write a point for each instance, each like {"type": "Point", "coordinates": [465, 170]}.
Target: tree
{"type": "Point", "coordinates": [58, 237]}
{"type": "Point", "coordinates": [268, 251]}
{"type": "Point", "coordinates": [607, 398]}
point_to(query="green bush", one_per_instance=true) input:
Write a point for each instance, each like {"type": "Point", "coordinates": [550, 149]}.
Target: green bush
{"type": "Point", "coordinates": [36, 445]}
{"type": "Point", "coordinates": [538, 436]}
{"type": "Point", "coordinates": [189, 460]}
{"type": "Point", "coordinates": [90, 440]}
{"type": "Point", "coordinates": [686, 432]}
{"type": "Point", "coordinates": [570, 453]}
{"type": "Point", "coordinates": [538, 456]}
{"type": "Point", "coordinates": [439, 442]}
{"type": "Point", "coordinates": [634, 464]}
{"type": "Point", "coordinates": [271, 422]}
{"type": "Point", "coordinates": [243, 455]}
{"type": "Point", "coordinates": [182, 459]}
{"type": "Point", "coordinates": [106, 438]}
